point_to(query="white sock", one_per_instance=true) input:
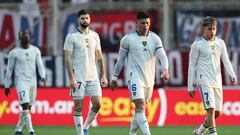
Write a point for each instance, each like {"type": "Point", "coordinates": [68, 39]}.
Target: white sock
{"type": "Point", "coordinates": [92, 114]}
{"type": "Point", "coordinates": [20, 123]}
{"type": "Point", "coordinates": [27, 118]}
{"type": "Point", "coordinates": [134, 126]}
{"type": "Point", "coordinates": [202, 129]}
{"type": "Point", "coordinates": [213, 131]}
{"type": "Point", "coordinates": [142, 122]}
{"type": "Point", "coordinates": [78, 120]}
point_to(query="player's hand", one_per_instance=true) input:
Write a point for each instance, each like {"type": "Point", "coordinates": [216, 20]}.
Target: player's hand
{"type": "Point", "coordinates": [165, 74]}
{"type": "Point", "coordinates": [43, 80]}
{"type": "Point", "coordinates": [104, 81]}
{"type": "Point", "coordinates": [191, 94]}
{"type": "Point", "coordinates": [114, 85]}
{"type": "Point", "coordinates": [73, 84]}
{"type": "Point", "coordinates": [7, 91]}
{"type": "Point", "coordinates": [234, 81]}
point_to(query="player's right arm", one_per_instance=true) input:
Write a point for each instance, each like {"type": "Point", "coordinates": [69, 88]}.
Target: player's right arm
{"type": "Point", "coordinates": [68, 48]}
{"type": "Point", "coordinates": [123, 52]}
{"type": "Point", "coordinates": [193, 56]}
{"type": "Point", "coordinates": [8, 77]}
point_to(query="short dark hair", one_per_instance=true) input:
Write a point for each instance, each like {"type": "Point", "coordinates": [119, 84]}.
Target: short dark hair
{"type": "Point", "coordinates": [23, 31]}
{"type": "Point", "coordinates": [208, 21]}
{"type": "Point", "coordinates": [142, 15]}
{"type": "Point", "coordinates": [82, 12]}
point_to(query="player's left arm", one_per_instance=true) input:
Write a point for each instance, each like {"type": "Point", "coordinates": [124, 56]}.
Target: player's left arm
{"type": "Point", "coordinates": [161, 54]}
{"type": "Point", "coordinates": [100, 63]}
{"type": "Point", "coordinates": [227, 64]}
{"type": "Point", "coordinates": [41, 67]}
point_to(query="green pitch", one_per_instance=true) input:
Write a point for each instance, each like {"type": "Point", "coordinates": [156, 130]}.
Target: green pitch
{"type": "Point", "coordinates": [169, 130]}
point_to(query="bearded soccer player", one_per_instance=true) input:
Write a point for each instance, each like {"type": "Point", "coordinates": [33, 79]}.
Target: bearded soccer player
{"type": "Point", "coordinates": [205, 55]}
{"type": "Point", "coordinates": [82, 48]}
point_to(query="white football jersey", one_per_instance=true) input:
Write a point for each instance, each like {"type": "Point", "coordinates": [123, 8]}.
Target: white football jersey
{"type": "Point", "coordinates": [23, 62]}
{"type": "Point", "coordinates": [83, 48]}
{"type": "Point", "coordinates": [206, 56]}
{"type": "Point", "coordinates": [141, 58]}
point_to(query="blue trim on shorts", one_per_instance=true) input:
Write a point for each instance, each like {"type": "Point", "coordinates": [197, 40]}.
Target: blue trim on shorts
{"type": "Point", "coordinates": [129, 88]}
{"type": "Point", "coordinates": [200, 89]}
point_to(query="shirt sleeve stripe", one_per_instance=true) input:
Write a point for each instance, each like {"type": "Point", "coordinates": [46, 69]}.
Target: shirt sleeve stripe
{"type": "Point", "coordinates": [157, 48]}
{"type": "Point", "coordinates": [124, 49]}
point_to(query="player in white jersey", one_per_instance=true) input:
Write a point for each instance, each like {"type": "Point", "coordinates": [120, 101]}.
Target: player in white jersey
{"type": "Point", "coordinates": [141, 48]}
{"type": "Point", "coordinates": [81, 49]}
{"type": "Point", "coordinates": [22, 61]}
{"type": "Point", "coordinates": [205, 55]}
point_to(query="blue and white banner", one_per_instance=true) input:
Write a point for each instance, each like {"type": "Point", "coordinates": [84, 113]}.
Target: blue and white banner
{"type": "Point", "coordinates": [189, 27]}
{"type": "Point", "coordinates": [10, 24]}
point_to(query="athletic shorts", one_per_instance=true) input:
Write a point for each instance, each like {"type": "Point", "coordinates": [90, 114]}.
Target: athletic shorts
{"type": "Point", "coordinates": [87, 88]}
{"type": "Point", "coordinates": [138, 91]}
{"type": "Point", "coordinates": [26, 91]}
{"type": "Point", "coordinates": [211, 97]}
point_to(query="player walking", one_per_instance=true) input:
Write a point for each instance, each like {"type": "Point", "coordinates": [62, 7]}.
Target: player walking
{"type": "Point", "coordinates": [206, 53]}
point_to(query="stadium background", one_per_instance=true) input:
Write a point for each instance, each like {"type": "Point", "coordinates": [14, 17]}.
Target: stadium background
{"type": "Point", "coordinates": [178, 23]}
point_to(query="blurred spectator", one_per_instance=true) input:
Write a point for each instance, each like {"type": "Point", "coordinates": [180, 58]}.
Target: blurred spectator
{"type": "Point", "coordinates": [30, 8]}
{"type": "Point", "coordinates": [9, 1]}
{"type": "Point", "coordinates": [79, 1]}
{"type": "Point", "coordinates": [42, 1]}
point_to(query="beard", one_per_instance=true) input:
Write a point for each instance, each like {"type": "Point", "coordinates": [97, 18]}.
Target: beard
{"type": "Point", "coordinates": [84, 25]}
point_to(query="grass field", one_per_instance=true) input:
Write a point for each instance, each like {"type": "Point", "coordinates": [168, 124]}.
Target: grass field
{"type": "Point", "coordinates": [169, 130]}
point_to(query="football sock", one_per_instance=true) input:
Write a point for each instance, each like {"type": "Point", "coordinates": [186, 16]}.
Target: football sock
{"type": "Point", "coordinates": [202, 129]}
{"type": "Point", "coordinates": [78, 120]}
{"type": "Point", "coordinates": [27, 119]}
{"type": "Point", "coordinates": [20, 123]}
{"type": "Point", "coordinates": [134, 126]}
{"type": "Point", "coordinates": [92, 114]}
{"type": "Point", "coordinates": [142, 122]}
{"type": "Point", "coordinates": [213, 131]}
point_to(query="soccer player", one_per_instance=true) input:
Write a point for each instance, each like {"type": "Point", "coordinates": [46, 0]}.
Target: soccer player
{"type": "Point", "coordinates": [205, 56]}
{"type": "Point", "coordinates": [23, 60]}
{"type": "Point", "coordinates": [141, 48]}
{"type": "Point", "coordinates": [81, 49]}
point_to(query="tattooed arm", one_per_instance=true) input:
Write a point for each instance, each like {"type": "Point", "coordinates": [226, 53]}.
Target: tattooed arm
{"type": "Point", "coordinates": [100, 62]}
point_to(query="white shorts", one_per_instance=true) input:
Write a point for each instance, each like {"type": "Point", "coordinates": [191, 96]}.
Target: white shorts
{"type": "Point", "coordinates": [138, 91]}
{"type": "Point", "coordinates": [26, 91]}
{"type": "Point", "coordinates": [211, 97]}
{"type": "Point", "coordinates": [87, 88]}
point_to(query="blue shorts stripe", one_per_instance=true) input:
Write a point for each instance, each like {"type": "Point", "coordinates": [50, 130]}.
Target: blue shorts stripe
{"type": "Point", "coordinates": [200, 88]}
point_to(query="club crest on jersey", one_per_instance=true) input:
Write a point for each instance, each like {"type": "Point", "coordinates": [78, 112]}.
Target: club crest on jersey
{"type": "Point", "coordinates": [86, 40]}
{"type": "Point", "coordinates": [134, 93]}
{"type": "Point", "coordinates": [144, 43]}
{"type": "Point", "coordinates": [207, 102]}
{"type": "Point", "coordinates": [212, 47]}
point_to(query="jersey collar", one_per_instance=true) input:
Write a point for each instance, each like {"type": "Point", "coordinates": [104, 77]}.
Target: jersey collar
{"type": "Point", "coordinates": [80, 31]}
{"type": "Point", "coordinates": [208, 39]}
{"type": "Point", "coordinates": [140, 34]}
